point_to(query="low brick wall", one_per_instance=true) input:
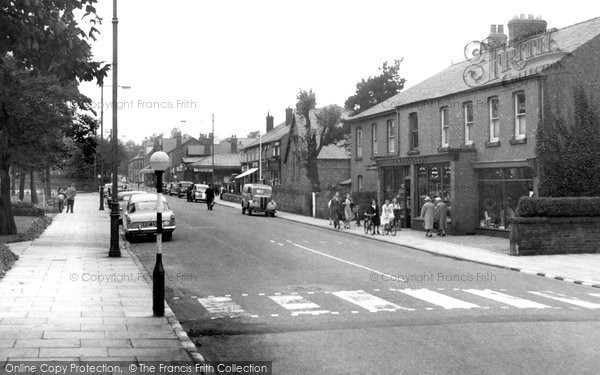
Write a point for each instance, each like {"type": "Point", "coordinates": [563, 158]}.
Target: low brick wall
{"type": "Point", "coordinates": [292, 200]}
{"type": "Point", "coordinates": [554, 235]}
{"type": "Point", "coordinates": [231, 197]}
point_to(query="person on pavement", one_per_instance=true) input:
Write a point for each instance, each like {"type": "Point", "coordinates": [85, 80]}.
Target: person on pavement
{"type": "Point", "coordinates": [210, 197]}
{"type": "Point", "coordinates": [375, 219]}
{"type": "Point", "coordinates": [428, 214]}
{"type": "Point", "coordinates": [441, 216]}
{"type": "Point", "coordinates": [336, 210]}
{"type": "Point", "coordinates": [70, 195]}
{"type": "Point", "coordinates": [61, 199]}
{"type": "Point", "coordinates": [387, 214]}
{"type": "Point", "coordinates": [347, 211]}
{"type": "Point", "coordinates": [397, 210]}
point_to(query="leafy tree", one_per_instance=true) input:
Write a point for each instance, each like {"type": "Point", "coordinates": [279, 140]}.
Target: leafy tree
{"type": "Point", "coordinates": [312, 138]}
{"type": "Point", "coordinates": [253, 134]}
{"type": "Point", "coordinates": [375, 90]}
{"type": "Point", "coordinates": [568, 155]}
{"type": "Point", "coordinates": [43, 52]}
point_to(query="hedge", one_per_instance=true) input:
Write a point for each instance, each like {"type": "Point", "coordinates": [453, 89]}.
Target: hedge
{"type": "Point", "coordinates": [20, 208]}
{"type": "Point", "coordinates": [7, 258]}
{"type": "Point", "coordinates": [558, 207]}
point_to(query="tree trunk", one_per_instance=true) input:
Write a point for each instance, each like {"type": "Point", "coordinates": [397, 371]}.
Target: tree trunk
{"type": "Point", "coordinates": [7, 221]}
{"type": "Point", "coordinates": [13, 180]}
{"type": "Point", "coordinates": [34, 197]}
{"type": "Point", "coordinates": [312, 172]}
{"type": "Point", "coordinates": [48, 184]}
{"type": "Point", "coordinates": [21, 186]}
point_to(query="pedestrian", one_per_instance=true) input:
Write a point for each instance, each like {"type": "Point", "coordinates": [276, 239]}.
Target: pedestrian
{"type": "Point", "coordinates": [61, 199]}
{"type": "Point", "coordinates": [375, 219]}
{"type": "Point", "coordinates": [441, 216]}
{"type": "Point", "coordinates": [387, 215]}
{"type": "Point", "coordinates": [329, 210]}
{"type": "Point", "coordinates": [427, 214]}
{"type": "Point", "coordinates": [397, 209]}
{"type": "Point", "coordinates": [210, 197]}
{"type": "Point", "coordinates": [70, 195]}
{"type": "Point", "coordinates": [336, 210]}
{"type": "Point", "coordinates": [347, 211]}
{"type": "Point", "coordinates": [356, 213]}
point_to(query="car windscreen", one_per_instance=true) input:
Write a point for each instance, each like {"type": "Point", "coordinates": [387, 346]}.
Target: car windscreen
{"type": "Point", "coordinates": [262, 191]}
{"type": "Point", "coordinates": [149, 206]}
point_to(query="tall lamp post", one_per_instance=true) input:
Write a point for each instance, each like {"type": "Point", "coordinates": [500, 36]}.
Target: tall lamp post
{"type": "Point", "coordinates": [114, 251]}
{"type": "Point", "coordinates": [259, 158]}
{"type": "Point", "coordinates": [159, 161]}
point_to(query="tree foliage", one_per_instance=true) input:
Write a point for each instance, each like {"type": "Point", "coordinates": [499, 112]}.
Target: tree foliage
{"type": "Point", "coordinates": [311, 139]}
{"type": "Point", "coordinates": [375, 90]}
{"type": "Point", "coordinates": [568, 154]}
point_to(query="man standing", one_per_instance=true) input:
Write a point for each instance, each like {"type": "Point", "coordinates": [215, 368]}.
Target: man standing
{"type": "Point", "coordinates": [71, 193]}
{"type": "Point", "coordinates": [210, 197]}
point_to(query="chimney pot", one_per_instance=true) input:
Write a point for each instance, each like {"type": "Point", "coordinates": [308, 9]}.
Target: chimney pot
{"type": "Point", "coordinates": [289, 114]}
{"type": "Point", "coordinates": [269, 123]}
{"type": "Point", "coordinates": [493, 29]}
{"type": "Point", "coordinates": [500, 29]}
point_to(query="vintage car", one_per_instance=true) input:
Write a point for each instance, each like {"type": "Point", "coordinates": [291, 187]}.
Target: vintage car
{"type": "Point", "coordinates": [198, 193]}
{"type": "Point", "coordinates": [123, 197]}
{"type": "Point", "coordinates": [181, 188]}
{"type": "Point", "coordinates": [139, 217]}
{"type": "Point", "coordinates": [108, 191]}
{"type": "Point", "coordinates": [257, 198]}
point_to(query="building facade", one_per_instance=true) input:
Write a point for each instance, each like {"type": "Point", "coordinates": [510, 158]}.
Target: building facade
{"type": "Point", "coordinates": [468, 133]}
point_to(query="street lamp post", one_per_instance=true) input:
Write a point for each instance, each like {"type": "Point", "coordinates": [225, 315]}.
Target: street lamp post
{"type": "Point", "coordinates": [159, 161]}
{"type": "Point", "coordinates": [115, 251]}
{"type": "Point", "coordinates": [259, 158]}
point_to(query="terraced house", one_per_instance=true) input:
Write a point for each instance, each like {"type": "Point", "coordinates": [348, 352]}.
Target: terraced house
{"type": "Point", "coordinates": [468, 133]}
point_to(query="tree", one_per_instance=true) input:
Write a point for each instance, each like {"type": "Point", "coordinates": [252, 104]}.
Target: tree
{"type": "Point", "coordinates": [375, 90]}
{"type": "Point", "coordinates": [43, 52]}
{"type": "Point", "coordinates": [253, 134]}
{"type": "Point", "coordinates": [311, 139]}
{"type": "Point", "coordinates": [568, 155]}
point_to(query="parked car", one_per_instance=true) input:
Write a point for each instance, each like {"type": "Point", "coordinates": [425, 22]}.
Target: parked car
{"type": "Point", "coordinates": [171, 188]}
{"type": "Point", "coordinates": [123, 197]}
{"type": "Point", "coordinates": [258, 198]}
{"type": "Point", "coordinates": [199, 193]}
{"type": "Point", "coordinates": [181, 189]}
{"type": "Point", "coordinates": [139, 217]}
{"type": "Point", "coordinates": [108, 191]}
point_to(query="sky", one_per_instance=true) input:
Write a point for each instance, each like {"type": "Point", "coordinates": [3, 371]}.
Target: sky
{"type": "Point", "coordinates": [186, 60]}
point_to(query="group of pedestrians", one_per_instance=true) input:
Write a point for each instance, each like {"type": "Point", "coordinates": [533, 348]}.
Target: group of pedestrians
{"type": "Point", "coordinates": [342, 211]}
{"type": "Point", "coordinates": [347, 211]}
{"type": "Point", "coordinates": [67, 196]}
{"type": "Point", "coordinates": [435, 216]}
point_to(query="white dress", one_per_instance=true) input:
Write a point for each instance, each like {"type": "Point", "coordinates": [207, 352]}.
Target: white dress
{"type": "Point", "coordinates": [387, 214]}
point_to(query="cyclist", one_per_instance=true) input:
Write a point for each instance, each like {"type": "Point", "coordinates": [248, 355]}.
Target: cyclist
{"type": "Point", "coordinates": [374, 210]}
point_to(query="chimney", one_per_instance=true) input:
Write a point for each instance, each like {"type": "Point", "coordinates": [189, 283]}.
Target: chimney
{"type": "Point", "coordinates": [521, 27]}
{"type": "Point", "coordinates": [289, 113]}
{"type": "Point", "coordinates": [497, 38]}
{"type": "Point", "coordinates": [233, 143]}
{"type": "Point", "coordinates": [269, 122]}
{"type": "Point", "coordinates": [178, 141]}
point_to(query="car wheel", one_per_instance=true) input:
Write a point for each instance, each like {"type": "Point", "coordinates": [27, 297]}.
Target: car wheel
{"type": "Point", "coordinates": [249, 210]}
{"type": "Point", "coordinates": [266, 213]}
{"type": "Point", "coordinates": [272, 214]}
{"type": "Point", "coordinates": [243, 210]}
{"type": "Point", "coordinates": [129, 237]}
{"type": "Point", "coordinates": [167, 236]}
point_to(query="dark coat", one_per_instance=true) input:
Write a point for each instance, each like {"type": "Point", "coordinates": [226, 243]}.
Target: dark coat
{"type": "Point", "coordinates": [210, 194]}
{"type": "Point", "coordinates": [374, 210]}
{"type": "Point", "coordinates": [336, 208]}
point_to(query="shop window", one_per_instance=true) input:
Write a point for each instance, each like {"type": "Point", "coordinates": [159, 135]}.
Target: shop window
{"type": "Point", "coordinates": [391, 136]}
{"type": "Point", "coordinates": [520, 120]}
{"type": "Point", "coordinates": [359, 143]}
{"type": "Point", "coordinates": [373, 139]}
{"type": "Point", "coordinates": [445, 124]}
{"type": "Point", "coordinates": [433, 180]}
{"type": "Point", "coordinates": [414, 130]}
{"type": "Point", "coordinates": [468, 115]}
{"type": "Point", "coordinates": [499, 192]}
{"type": "Point", "coordinates": [494, 104]}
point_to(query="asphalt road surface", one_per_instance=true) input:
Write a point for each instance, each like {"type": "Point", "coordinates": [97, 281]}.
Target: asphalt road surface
{"type": "Point", "coordinates": [317, 301]}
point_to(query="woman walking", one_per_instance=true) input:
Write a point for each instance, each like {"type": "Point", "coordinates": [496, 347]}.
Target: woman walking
{"type": "Point", "coordinates": [397, 209]}
{"type": "Point", "coordinates": [441, 216]}
{"type": "Point", "coordinates": [347, 211]}
{"type": "Point", "coordinates": [387, 215]}
{"type": "Point", "coordinates": [336, 210]}
{"type": "Point", "coordinates": [374, 210]}
{"type": "Point", "coordinates": [427, 214]}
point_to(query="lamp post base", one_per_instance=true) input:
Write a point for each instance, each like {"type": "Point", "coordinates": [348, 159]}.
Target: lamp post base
{"type": "Point", "coordinates": [158, 287]}
{"type": "Point", "coordinates": [115, 251]}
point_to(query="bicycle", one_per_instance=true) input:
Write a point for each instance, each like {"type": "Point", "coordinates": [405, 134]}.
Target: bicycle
{"type": "Point", "coordinates": [390, 228]}
{"type": "Point", "coordinates": [368, 225]}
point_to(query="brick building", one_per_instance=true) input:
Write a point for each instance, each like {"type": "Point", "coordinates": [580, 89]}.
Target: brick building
{"type": "Point", "coordinates": [467, 134]}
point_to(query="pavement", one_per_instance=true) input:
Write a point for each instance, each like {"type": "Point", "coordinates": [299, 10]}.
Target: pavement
{"type": "Point", "coordinates": [492, 251]}
{"type": "Point", "coordinates": [65, 299]}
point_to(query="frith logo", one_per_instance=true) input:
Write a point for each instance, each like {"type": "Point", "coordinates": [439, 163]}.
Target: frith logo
{"type": "Point", "coordinates": [502, 63]}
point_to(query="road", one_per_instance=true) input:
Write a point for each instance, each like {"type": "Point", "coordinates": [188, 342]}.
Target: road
{"type": "Point", "coordinates": [317, 301]}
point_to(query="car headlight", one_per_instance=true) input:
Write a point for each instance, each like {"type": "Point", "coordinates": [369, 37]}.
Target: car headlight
{"type": "Point", "coordinates": [166, 222]}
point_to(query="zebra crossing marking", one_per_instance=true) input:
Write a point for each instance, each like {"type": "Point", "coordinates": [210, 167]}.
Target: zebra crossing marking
{"type": "Point", "coordinates": [368, 301]}
{"type": "Point", "coordinates": [222, 307]}
{"type": "Point", "coordinates": [571, 301]}
{"type": "Point", "coordinates": [507, 299]}
{"type": "Point", "coordinates": [594, 294]}
{"type": "Point", "coordinates": [298, 305]}
{"type": "Point", "coordinates": [438, 299]}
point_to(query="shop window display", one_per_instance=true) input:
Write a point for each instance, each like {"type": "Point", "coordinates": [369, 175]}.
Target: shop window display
{"type": "Point", "coordinates": [434, 180]}
{"type": "Point", "coordinates": [499, 192]}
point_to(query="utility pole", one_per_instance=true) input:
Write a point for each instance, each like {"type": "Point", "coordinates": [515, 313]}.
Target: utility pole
{"type": "Point", "coordinates": [212, 148]}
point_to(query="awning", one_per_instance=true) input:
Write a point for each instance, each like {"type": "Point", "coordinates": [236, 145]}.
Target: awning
{"type": "Point", "coordinates": [146, 170]}
{"type": "Point", "coordinates": [248, 172]}
{"type": "Point", "coordinates": [345, 182]}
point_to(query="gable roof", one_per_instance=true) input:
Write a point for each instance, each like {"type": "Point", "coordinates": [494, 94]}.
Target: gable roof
{"type": "Point", "coordinates": [451, 80]}
{"type": "Point", "coordinates": [274, 135]}
{"type": "Point", "coordinates": [334, 152]}
{"type": "Point", "coordinates": [196, 150]}
{"type": "Point", "coordinates": [221, 160]}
